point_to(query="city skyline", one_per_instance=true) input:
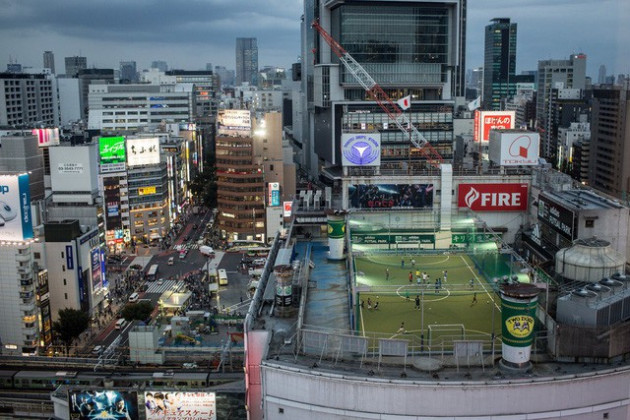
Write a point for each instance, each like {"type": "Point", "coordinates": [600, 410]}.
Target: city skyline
{"type": "Point", "coordinates": [206, 31]}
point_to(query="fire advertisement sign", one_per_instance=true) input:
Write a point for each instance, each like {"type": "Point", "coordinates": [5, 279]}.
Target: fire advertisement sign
{"type": "Point", "coordinates": [488, 120]}
{"type": "Point", "coordinates": [493, 197]}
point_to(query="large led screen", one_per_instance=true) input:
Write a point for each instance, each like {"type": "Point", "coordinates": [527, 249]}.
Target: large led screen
{"type": "Point", "coordinates": [180, 405]}
{"type": "Point", "coordinates": [145, 151]}
{"type": "Point", "coordinates": [369, 196]}
{"type": "Point", "coordinates": [111, 191]}
{"type": "Point", "coordinates": [89, 405]}
{"type": "Point", "coordinates": [95, 257]}
{"type": "Point", "coordinates": [15, 208]}
{"type": "Point", "coordinates": [112, 154]}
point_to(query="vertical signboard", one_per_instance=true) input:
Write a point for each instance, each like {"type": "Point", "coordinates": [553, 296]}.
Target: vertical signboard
{"type": "Point", "coordinates": [95, 258]}
{"type": "Point", "coordinates": [288, 206]}
{"type": "Point", "coordinates": [273, 189]}
{"type": "Point", "coordinates": [111, 191]}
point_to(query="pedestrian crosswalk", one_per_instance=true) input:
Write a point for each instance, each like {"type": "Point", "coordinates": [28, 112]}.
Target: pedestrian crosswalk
{"type": "Point", "coordinates": [186, 246]}
{"type": "Point", "coordinates": [156, 287]}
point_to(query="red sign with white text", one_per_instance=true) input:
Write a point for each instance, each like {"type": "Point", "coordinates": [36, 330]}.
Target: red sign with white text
{"type": "Point", "coordinates": [488, 120]}
{"type": "Point", "coordinates": [493, 197]}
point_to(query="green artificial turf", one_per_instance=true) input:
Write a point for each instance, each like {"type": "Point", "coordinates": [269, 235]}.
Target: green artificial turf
{"type": "Point", "coordinates": [451, 305]}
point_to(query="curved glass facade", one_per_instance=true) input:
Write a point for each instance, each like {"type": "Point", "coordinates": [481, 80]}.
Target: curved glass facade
{"type": "Point", "coordinates": [397, 44]}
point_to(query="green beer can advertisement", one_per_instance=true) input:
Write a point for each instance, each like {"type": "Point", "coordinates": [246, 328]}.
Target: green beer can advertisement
{"type": "Point", "coordinates": [518, 321]}
{"type": "Point", "coordinates": [336, 228]}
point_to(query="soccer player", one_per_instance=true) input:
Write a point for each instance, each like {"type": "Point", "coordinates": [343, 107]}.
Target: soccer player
{"type": "Point", "coordinates": [417, 302]}
{"type": "Point", "coordinates": [387, 274]}
{"type": "Point", "coordinates": [474, 299]}
{"type": "Point", "coordinates": [410, 277]}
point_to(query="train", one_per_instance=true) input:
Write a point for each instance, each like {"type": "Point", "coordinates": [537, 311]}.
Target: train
{"type": "Point", "coordinates": [51, 379]}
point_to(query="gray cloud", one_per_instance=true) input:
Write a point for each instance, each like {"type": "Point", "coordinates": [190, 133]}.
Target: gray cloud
{"type": "Point", "coordinates": [556, 29]}
{"type": "Point", "coordinates": [205, 28]}
{"type": "Point", "coordinates": [189, 33]}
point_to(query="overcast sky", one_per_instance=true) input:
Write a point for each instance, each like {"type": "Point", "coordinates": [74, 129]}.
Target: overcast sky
{"type": "Point", "coordinates": [187, 34]}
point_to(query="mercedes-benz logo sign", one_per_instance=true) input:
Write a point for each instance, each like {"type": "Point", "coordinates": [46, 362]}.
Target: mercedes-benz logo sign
{"type": "Point", "coordinates": [361, 150]}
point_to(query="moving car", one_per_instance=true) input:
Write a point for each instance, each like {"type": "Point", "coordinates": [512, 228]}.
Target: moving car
{"type": "Point", "coordinates": [206, 251]}
{"type": "Point", "coordinates": [171, 261]}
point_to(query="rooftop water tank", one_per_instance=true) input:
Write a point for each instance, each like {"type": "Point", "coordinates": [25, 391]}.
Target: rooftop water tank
{"type": "Point", "coordinates": [589, 260]}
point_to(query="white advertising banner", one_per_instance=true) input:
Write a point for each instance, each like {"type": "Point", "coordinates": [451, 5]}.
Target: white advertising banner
{"type": "Point", "coordinates": [144, 151]}
{"type": "Point", "coordinates": [180, 405]}
{"type": "Point", "coordinates": [515, 148]}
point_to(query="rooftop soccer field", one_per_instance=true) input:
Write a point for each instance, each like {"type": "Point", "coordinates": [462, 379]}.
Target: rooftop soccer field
{"type": "Point", "coordinates": [460, 306]}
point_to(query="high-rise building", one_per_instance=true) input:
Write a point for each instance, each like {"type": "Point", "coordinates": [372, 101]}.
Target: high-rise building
{"type": "Point", "coordinates": [562, 74]}
{"type": "Point", "coordinates": [27, 99]}
{"type": "Point", "coordinates": [601, 76]}
{"type": "Point", "coordinates": [499, 63]}
{"type": "Point", "coordinates": [49, 61]}
{"type": "Point", "coordinates": [240, 178]}
{"type": "Point", "coordinates": [226, 77]}
{"type": "Point", "coordinates": [247, 61]}
{"type": "Point", "coordinates": [89, 77]}
{"type": "Point", "coordinates": [139, 105]}
{"type": "Point", "coordinates": [610, 140]}
{"type": "Point", "coordinates": [160, 65]}
{"type": "Point", "coordinates": [128, 72]}
{"type": "Point", "coordinates": [74, 65]}
{"type": "Point", "coordinates": [396, 43]}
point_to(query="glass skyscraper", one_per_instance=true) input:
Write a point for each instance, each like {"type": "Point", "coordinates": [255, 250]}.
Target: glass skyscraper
{"type": "Point", "coordinates": [247, 61]}
{"type": "Point", "coordinates": [411, 49]}
{"type": "Point", "coordinates": [499, 63]}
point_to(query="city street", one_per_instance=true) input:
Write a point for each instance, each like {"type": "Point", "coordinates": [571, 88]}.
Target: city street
{"type": "Point", "coordinates": [184, 273]}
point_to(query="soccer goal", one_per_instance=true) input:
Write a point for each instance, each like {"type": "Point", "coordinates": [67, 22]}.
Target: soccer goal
{"type": "Point", "coordinates": [444, 334]}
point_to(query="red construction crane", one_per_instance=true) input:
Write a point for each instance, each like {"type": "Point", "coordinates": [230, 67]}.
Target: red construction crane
{"type": "Point", "coordinates": [382, 99]}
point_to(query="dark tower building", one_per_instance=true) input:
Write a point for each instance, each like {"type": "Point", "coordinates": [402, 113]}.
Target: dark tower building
{"type": "Point", "coordinates": [247, 61]}
{"type": "Point", "coordinates": [499, 63]}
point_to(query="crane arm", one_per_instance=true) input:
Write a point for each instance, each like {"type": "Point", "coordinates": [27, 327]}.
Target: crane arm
{"type": "Point", "coordinates": [377, 93]}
